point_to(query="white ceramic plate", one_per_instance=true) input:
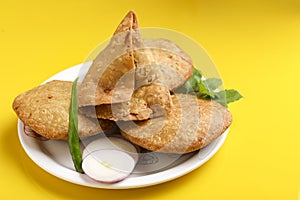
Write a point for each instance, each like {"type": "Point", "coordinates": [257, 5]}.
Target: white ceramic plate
{"type": "Point", "coordinates": [153, 168]}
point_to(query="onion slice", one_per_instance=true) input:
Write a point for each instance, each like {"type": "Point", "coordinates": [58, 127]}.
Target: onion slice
{"type": "Point", "coordinates": [112, 142]}
{"type": "Point", "coordinates": [31, 133]}
{"type": "Point", "coordinates": [108, 165]}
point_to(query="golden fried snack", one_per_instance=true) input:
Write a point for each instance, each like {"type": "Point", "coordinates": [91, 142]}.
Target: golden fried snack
{"type": "Point", "coordinates": [129, 62]}
{"type": "Point", "coordinates": [162, 62]}
{"type": "Point", "coordinates": [45, 109]}
{"type": "Point", "coordinates": [192, 124]}
{"type": "Point", "coordinates": [148, 101]}
{"type": "Point", "coordinates": [115, 64]}
{"type": "Point", "coordinates": [160, 66]}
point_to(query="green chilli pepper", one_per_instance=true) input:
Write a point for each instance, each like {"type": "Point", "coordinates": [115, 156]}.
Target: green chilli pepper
{"type": "Point", "coordinates": [73, 138]}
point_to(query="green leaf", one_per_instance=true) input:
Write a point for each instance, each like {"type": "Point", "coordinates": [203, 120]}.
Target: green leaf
{"type": "Point", "coordinates": [232, 95]}
{"type": "Point", "coordinates": [204, 90]}
{"type": "Point", "coordinates": [197, 73]}
{"type": "Point", "coordinates": [191, 85]}
{"type": "Point", "coordinates": [213, 83]}
{"type": "Point", "coordinates": [194, 80]}
{"type": "Point", "coordinates": [225, 97]}
{"type": "Point", "coordinates": [220, 97]}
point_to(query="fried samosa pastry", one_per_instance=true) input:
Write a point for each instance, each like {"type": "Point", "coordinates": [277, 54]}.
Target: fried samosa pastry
{"type": "Point", "coordinates": [114, 65]}
{"type": "Point", "coordinates": [147, 102]}
{"type": "Point", "coordinates": [45, 109]}
{"type": "Point", "coordinates": [161, 66]}
{"type": "Point", "coordinates": [126, 67]}
{"type": "Point", "coordinates": [161, 61]}
{"type": "Point", "coordinates": [192, 124]}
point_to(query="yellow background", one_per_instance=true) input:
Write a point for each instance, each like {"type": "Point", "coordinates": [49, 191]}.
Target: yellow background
{"type": "Point", "coordinates": [256, 46]}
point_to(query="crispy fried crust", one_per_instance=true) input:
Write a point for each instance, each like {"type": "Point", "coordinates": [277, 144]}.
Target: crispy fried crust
{"type": "Point", "coordinates": [45, 109]}
{"type": "Point", "coordinates": [160, 66]}
{"type": "Point", "coordinates": [129, 62]}
{"type": "Point", "coordinates": [147, 101]}
{"type": "Point", "coordinates": [162, 62]}
{"type": "Point", "coordinates": [114, 65]}
{"type": "Point", "coordinates": [192, 124]}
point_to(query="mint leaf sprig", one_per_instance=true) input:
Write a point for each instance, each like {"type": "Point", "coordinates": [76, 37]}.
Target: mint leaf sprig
{"type": "Point", "coordinates": [208, 89]}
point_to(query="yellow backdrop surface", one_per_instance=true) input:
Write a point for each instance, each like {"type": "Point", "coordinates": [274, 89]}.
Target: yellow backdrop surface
{"type": "Point", "coordinates": [256, 46]}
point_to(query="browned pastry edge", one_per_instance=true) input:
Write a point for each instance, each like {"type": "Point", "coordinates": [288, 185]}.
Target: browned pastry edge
{"type": "Point", "coordinates": [45, 109]}
{"type": "Point", "coordinates": [183, 130]}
